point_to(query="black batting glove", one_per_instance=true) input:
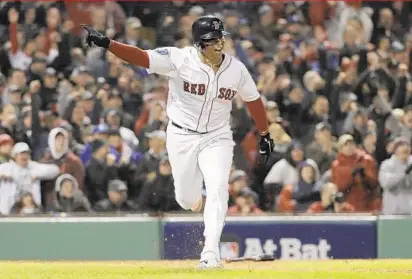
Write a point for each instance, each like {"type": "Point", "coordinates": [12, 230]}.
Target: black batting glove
{"type": "Point", "coordinates": [95, 37]}
{"type": "Point", "coordinates": [266, 146]}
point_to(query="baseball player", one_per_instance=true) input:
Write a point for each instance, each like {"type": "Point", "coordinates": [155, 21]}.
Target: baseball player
{"type": "Point", "coordinates": [203, 80]}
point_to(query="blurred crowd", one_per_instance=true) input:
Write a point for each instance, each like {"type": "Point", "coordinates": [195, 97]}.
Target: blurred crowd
{"type": "Point", "coordinates": [83, 131]}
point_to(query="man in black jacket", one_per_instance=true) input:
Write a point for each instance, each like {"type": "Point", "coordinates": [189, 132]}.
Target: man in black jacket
{"type": "Point", "coordinates": [158, 194]}
{"type": "Point", "coordinates": [117, 199]}
{"type": "Point", "coordinates": [99, 171]}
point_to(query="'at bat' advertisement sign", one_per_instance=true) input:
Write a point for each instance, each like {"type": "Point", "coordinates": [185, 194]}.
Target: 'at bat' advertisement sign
{"type": "Point", "coordinates": [293, 240]}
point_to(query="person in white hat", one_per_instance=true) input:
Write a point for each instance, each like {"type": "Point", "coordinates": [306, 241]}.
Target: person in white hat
{"type": "Point", "coordinates": [21, 174]}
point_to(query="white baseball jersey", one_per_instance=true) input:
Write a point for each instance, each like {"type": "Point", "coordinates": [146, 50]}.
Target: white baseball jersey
{"type": "Point", "coordinates": [200, 99]}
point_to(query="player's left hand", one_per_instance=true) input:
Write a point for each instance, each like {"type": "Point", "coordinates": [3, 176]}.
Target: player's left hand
{"type": "Point", "coordinates": [266, 147]}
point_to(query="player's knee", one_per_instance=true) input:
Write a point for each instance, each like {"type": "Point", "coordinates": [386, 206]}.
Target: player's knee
{"type": "Point", "coordinates": [218, 193]}
{"type": "Point", "coordinates": [184, 202]}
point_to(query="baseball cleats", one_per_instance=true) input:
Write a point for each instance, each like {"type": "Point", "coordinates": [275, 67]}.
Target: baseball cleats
{"type": "Point", "coordinates": [210, 264]}
{"type": "Point", "coordinates": [198, 206]}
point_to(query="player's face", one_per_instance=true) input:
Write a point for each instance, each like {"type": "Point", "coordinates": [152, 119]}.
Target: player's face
{"type": "Point", "coordinates": [214, 47]}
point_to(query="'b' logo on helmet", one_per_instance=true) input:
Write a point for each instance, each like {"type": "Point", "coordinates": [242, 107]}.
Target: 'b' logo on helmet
{"type": "Point", "coordinates": [216, 25]}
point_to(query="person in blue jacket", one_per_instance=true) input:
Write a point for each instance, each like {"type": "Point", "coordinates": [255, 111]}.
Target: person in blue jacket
{"type": "Point", "coordinates": [100, 132]}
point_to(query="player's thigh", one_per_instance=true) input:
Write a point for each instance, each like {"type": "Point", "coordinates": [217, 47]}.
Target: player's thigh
{"type": "Point", "coordinates": [215, 162]}
{"type": "Point", "coordinates": [183, 156]}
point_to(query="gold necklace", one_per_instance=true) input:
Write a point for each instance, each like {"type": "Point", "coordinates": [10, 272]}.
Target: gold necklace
{"type": "Point", "coordinates": [207, 61]}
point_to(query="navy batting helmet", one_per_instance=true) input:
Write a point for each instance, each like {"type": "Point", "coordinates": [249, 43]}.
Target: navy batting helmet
{"type": "Point", "coordinates": [206, 28]}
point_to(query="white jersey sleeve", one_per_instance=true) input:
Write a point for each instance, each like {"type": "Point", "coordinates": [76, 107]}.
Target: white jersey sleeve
{"type": "Point", "coordinates": [247, 89]}
{"type": "Point", "coordinates": [161, 61]}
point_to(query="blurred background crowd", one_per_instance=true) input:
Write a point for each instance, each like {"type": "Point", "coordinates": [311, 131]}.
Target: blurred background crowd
{"type": "Point", "coordinates": [82, 131]}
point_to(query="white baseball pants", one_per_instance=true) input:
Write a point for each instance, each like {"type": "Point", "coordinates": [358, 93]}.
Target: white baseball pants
{"type": "Point", "coordinates": [195, 158]}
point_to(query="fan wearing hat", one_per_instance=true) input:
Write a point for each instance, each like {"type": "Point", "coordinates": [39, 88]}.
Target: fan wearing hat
{"type": "Point", "coordinates": [100, 169]}
{"type": "Point", "coordinates": [23, 175]}
{"type": "Point", "coordinates": [100, 133]}
{"type": "Point", "coordinates": [322, 149]}
{"type": "Point", "coordinates": [238, 180]}
{"type": "Point", "coordinates": [123, 151]}
{"type": "Point", "coordinates": [48, 93]}
{"type": "Point", "coordinates": [272, 112]}
{"type": "Point", "coordinates": [157, 150]}
{"type": "Point", "coordinates": [117, 200]}
{"type": "Point", "coordinates": [395, 177]}
{"type": "Point", "coordinates": [355, 173]}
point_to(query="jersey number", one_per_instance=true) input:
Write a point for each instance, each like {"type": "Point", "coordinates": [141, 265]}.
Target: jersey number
{"type": "Point", "coordinates": [226, 94]}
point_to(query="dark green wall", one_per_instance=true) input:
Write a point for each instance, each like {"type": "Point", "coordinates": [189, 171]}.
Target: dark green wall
{"type": "Point", "coordinates": [395, 237]}
{"type": "Point", "coordinates": [80, 241]}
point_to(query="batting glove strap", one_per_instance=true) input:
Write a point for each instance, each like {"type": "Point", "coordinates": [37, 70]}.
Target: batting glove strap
{"type": "Point", "coordinates": [266, 145]}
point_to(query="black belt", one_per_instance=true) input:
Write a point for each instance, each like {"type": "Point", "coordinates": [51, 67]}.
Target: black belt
{"type": "Point", "coordinates": [185, 129]}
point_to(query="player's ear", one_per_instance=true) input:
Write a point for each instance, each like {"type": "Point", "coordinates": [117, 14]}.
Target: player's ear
{"type": "Point", "coordinates": [201, 45]}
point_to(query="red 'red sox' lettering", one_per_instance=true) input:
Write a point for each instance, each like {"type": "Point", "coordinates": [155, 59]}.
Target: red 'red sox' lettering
{"type": "Point", "coordinates": [196, 89]}
{"type": "Point", "coordinates": [226, 94]}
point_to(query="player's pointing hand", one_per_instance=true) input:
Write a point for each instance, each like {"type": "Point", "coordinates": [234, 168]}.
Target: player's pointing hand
{"type": "Point", "coordinates": [95, 37]}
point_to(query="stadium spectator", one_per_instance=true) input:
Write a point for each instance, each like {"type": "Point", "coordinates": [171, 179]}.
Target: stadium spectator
{"type": "Point", "coordinates": [246, 203]}
{"type": "Point", "coordinates": [345, 65]}
{"type": "Point", "coordinates": [158, 193]}
{"type": "Point", "coordinates": [283, 172]}
{"type": "Point", "coordinates": [60, 155]}
{"type": "Point", "coordinates": [25, 205]}
{"type": "Point", "coordinates": [322, 150]}
{"type": "Point", "coordinates": [331, 201]}
{"type": "Point", "coordinates": [238, 181]}
{"type": "Point", "coordinates": [355, 174]}
{"type": "Point", "coordinates": [117, 200]}
{"type": "Point", "coordinates": [298, 197]}
{"type": "Point", "coordinates": [69, 197]}
{"type": "Point", "coordinates": [6, 145]}
{"type": "Point", "coordinates": [396, 181]}
{"type": "Point", "coordinates": [148, 166]}
{"type": "Point", "coordinates": [100, 170]}
{"type": "Point", "coordinates": [22, 175]}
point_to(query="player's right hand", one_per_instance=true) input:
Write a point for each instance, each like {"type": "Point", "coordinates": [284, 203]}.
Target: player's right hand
{"type": "Point", "coordinates": [266, 147]}
{"type": "Point", "coordinates": [95, 37]}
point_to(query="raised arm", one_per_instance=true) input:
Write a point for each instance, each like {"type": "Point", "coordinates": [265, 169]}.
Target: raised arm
{"type": "Point", "coordinates": [128, 53]}
{"type": "Point", "coordinates": [13, 19]}
{"type": "Point", "coordinates": [159, 61]}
